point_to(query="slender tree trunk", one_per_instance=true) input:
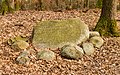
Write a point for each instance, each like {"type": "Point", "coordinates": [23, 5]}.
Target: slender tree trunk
{"type": "Point", "coordinates": [107, 24]}
{"type": "Point", "coordinates": [17, 4]}
{"type": "Point", "coordinates": [57, 2]}
{"type": "Point", "coordinates": [86, 4]}
{"type": "Point", "coordinates": [82, 4]}
{"type": "Point", "coordinates": [11, 4]}
{"type": "Point", "coordinates": [4, 7]}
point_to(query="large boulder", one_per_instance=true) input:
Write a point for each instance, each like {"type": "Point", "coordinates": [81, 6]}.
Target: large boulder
{"type": "Point", "coordinates": [57, 33]}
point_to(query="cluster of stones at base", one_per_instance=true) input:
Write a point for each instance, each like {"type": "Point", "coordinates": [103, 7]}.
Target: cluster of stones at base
{"type": "Point", "coordinates": [71, 36]}
{"type": "Point", "coordinates": [70, 51]}
{"type": "Point", "coordinates": [21, 44]}
{"type": "Point", "coordinates": [87, 47]}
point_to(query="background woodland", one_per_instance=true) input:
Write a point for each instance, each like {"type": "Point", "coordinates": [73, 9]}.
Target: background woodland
{"type": "Point", "coordinates": [53, 5]}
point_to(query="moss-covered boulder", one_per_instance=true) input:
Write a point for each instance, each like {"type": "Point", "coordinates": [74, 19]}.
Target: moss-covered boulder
{"type": "Point", "coordinates": [57, 33]}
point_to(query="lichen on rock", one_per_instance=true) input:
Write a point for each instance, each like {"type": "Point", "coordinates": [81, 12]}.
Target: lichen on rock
{"type": "Point", "coordinates": [46, 55]}
{"type": "Point", "coordinates": [93, 33]}
{"type": "Point", "coordinates": [23, 58]}
{"type": "Point", "coordinates": [57, 33]}
{"type": "Point", "coordinates": [18, 43]}
{"type": "Point", "coordinates": [88, 48]}
{"type": "Point", "coordinates": [71, 52]}
{"type": "Point", "coordinates": [97, 41]}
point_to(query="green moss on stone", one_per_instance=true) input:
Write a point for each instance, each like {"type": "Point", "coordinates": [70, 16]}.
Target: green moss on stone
{"type": "Point", "coordinates": [58, 32]}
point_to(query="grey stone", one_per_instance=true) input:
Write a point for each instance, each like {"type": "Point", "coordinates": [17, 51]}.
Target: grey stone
{"type": "Point", "coordinates": [88, 48]}
{"type": "Point", "coordinates": [72, 52]}
{"type": "Point", "coordinates": [97, 41]}
{"type": "Point", "coordinates": [57, 33]}
{"type": "Point", "coordinates": [46, 55]}
{"type": "Point", "coordinates": [23, 58]}
{"type": "Point", "coordinates": [93, 33]}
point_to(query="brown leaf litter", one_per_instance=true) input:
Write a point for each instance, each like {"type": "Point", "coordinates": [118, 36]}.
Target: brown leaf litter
{"type": "Point", "coordinates": [104, 61]}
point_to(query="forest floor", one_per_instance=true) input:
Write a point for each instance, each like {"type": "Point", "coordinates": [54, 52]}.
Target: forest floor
{"type": "Point", "coordinates": [104, 61]}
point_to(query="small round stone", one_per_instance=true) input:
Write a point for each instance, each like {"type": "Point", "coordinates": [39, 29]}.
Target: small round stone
{"type": "Point", "coordinates": [46, 55]}
{"type": "Point", "coordinates": [88, 48]}
{"type": "Point", "coordinates": [93, 33]}
{"type": "Point", "coordinates": [20, 44]}
{"type": "Point", "coordinates": [72, 52]}
{"type": "Point", "coordinates": [23, 58]}
{"type": "Point", "coordinates": [97, 41]}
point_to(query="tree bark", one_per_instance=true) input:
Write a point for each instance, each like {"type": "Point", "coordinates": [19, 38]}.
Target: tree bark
{"type": "Point", "coordinates": [107, 25]}
{"type": "Point", "coordinates": [99, 3]}
{"type": "Point", "coordinates": [86, 4]}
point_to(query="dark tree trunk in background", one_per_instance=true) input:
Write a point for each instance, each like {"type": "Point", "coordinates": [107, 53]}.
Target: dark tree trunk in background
{"type": "Point", "coordinates": [57, 3]}
{"type": "Point", "coordinates": [107, 25]}
{"type": "Point", "coordinates": [86, 4]}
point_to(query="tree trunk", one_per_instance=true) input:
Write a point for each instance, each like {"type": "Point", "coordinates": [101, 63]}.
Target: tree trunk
{"type": "Point", "coordinates": [82, 4]}
{"type": "Point", "coordinates": [107, 25]}
{"type": "Point", "coordinates": [11, 4]}
{"type": "Point", "coordinates": [17, 4]}
{"type": "Point", "coordinates": [99, 4]}
{"type": "Point", "coordinates": [57, 3]}
{"type": "Point", "coordinates": [4, 7]}
{"type": "Point", "coordinates": [86, 4]}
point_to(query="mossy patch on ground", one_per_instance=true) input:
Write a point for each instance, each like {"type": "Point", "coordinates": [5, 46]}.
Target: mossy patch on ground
{"type": "Point", "coordinates": [56, 33]}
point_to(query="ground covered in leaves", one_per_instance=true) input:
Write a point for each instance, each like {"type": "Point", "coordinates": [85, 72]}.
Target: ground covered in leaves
{"type": "Point", "coordinates": [104, 61]}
